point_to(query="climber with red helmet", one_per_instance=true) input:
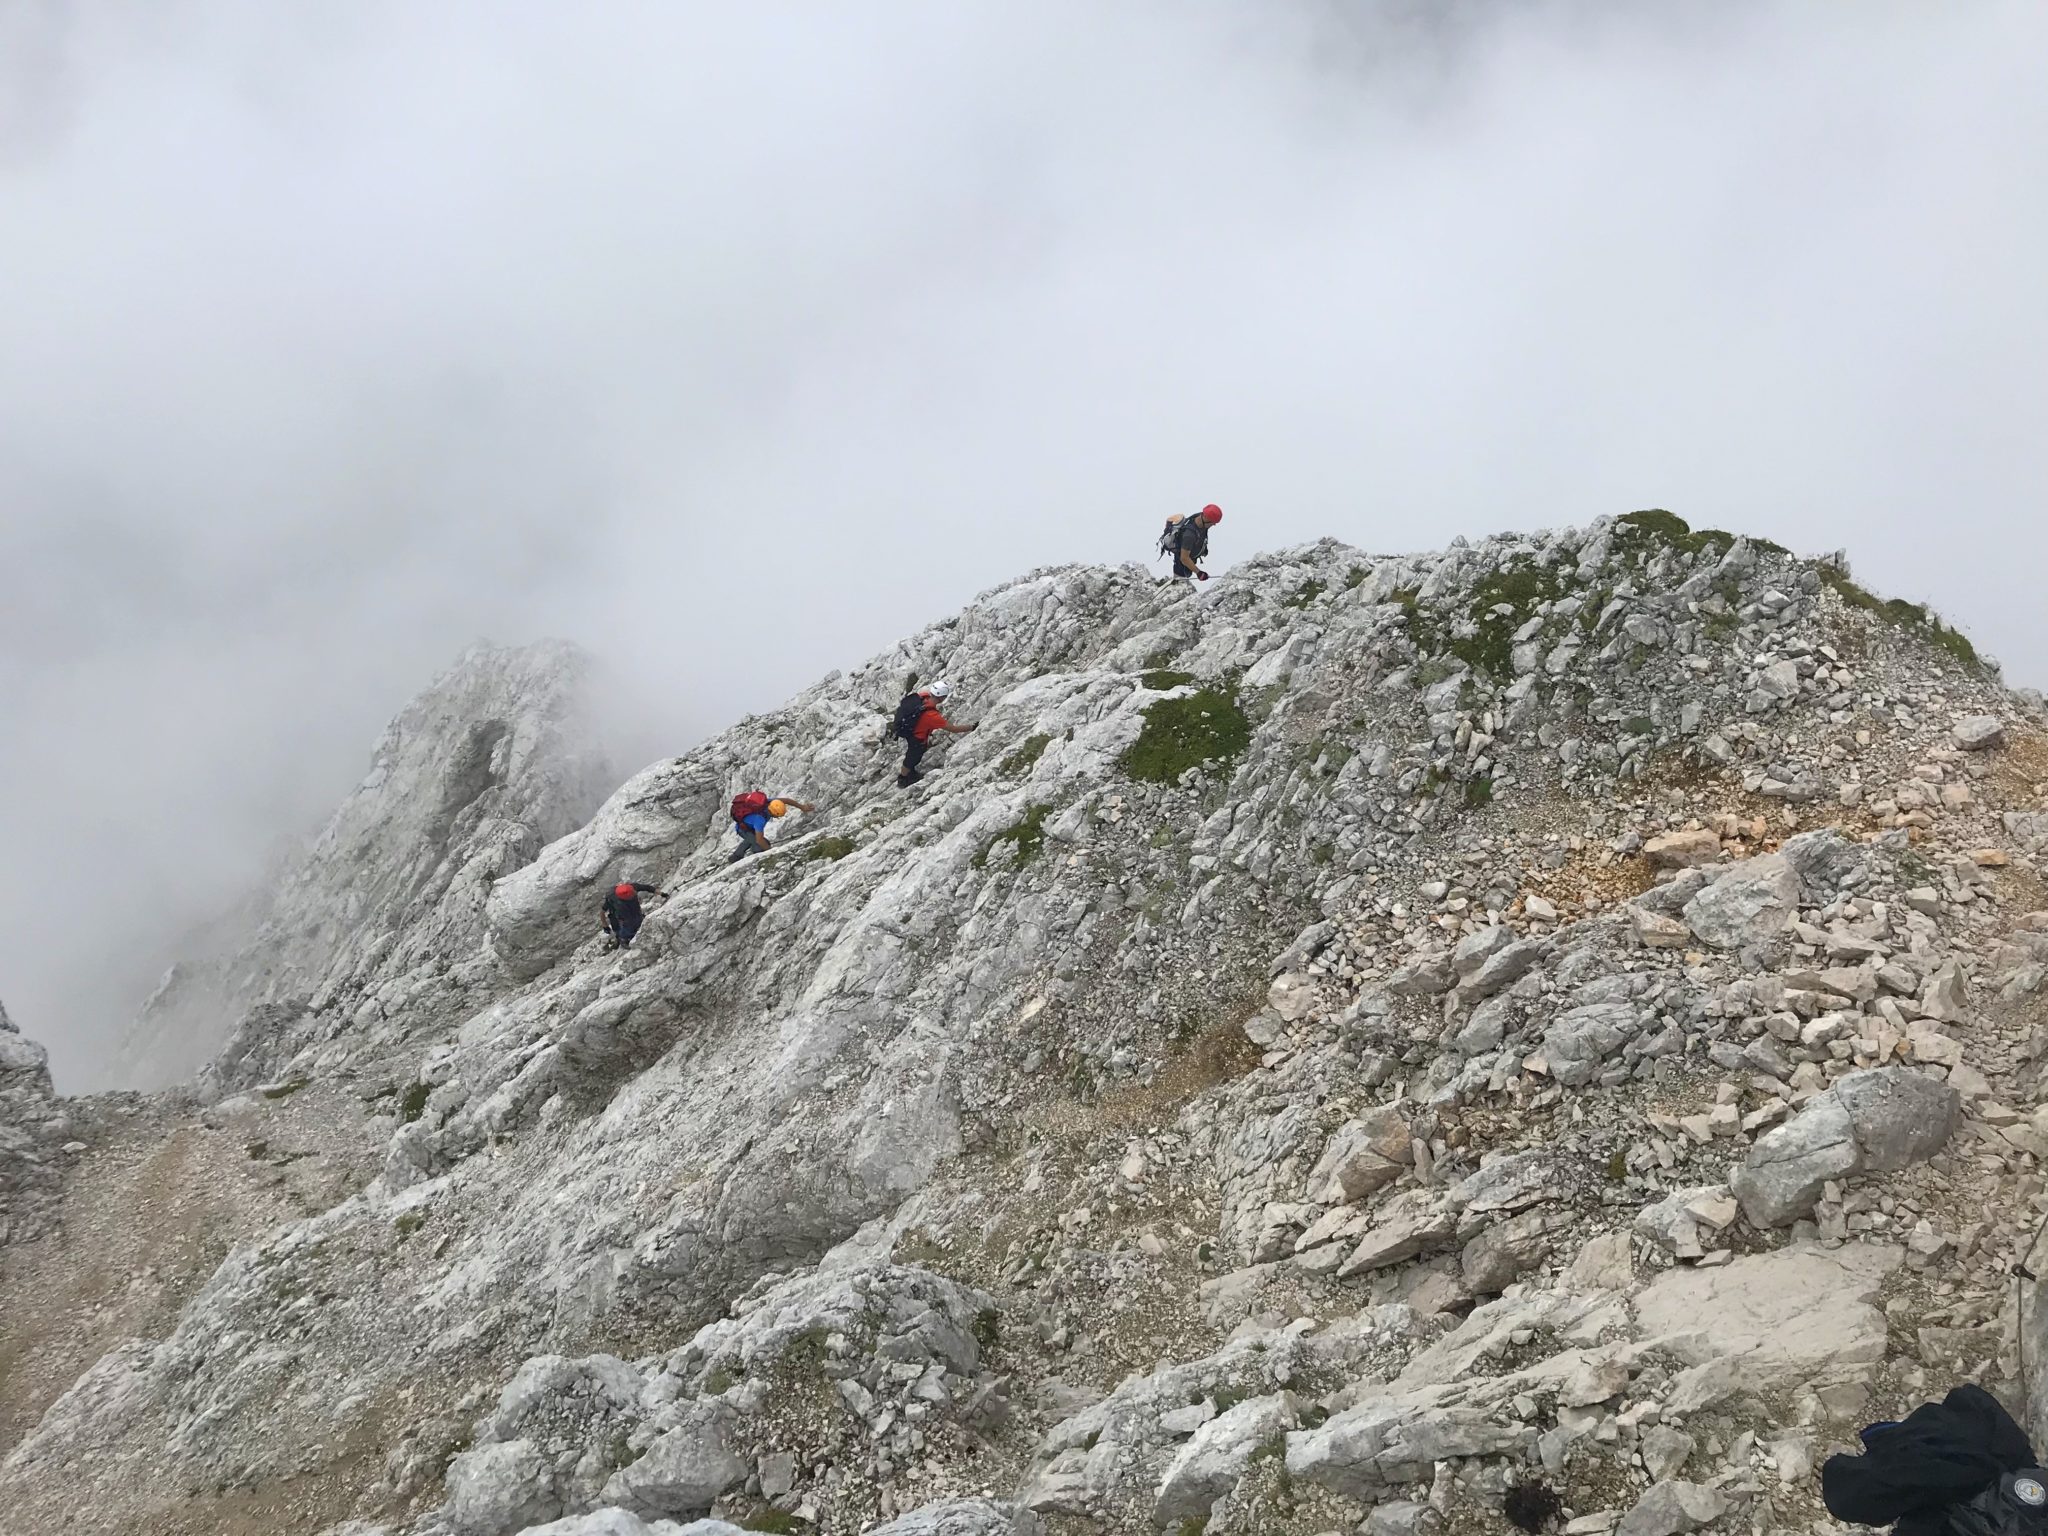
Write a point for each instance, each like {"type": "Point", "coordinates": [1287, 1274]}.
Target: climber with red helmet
{"type": "Point", "coordinates": [1186, 539]}
{"type": "Point", "coordinates": [621, 914]}
{"type": "Point", "coordinates": [751, 812]}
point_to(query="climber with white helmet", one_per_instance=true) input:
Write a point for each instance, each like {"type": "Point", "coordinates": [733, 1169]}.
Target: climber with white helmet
{"type": "Point", "coordinates": [620, 916]}
{"type": "Point", "coordinates": [1187, 540]}
{"type": "Point", "coordinates": [751, 812]}
{"type": "Point", "coordinates": [917, 716]}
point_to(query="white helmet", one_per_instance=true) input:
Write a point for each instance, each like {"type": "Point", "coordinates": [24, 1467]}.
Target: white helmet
{"type": "Point", "coordinates": [941, 688]}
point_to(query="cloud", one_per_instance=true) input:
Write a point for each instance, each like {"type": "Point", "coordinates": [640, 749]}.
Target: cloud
{"type": "Point", "coordinates": [735, 344]}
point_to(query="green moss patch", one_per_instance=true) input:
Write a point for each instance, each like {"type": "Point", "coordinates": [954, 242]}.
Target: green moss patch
{"type": "Point", "coordinates": [1478, 792]}
{"type": "Point", "coordinates": [833, 848]}
{"type": "Point", "coordinates": [1028, 838]}
{"type": "Point", "coordinates": [1502, 603]}
{"type": "Point", "coordinates": [1654, 525]}
{"type": "Point", "coordinates": [1306, 593]}
{"type": "Point", "coordinates": [1161, 680]}
{"type": "Point", "coordinates": [1897, 611]}
{"type": "Point", "coordinates": [1207, 725]}
{"type": "Point", "coordinates": [414, 1102]}
{"type": "Point", "coordinates": [1018, 761]}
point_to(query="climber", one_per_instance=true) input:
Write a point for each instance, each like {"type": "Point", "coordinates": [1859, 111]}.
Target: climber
{"type": "Point", "coordinates": [917, 716]}
{"type": "Point", "coordinates": [621, 914]}
{"type": "Point", "coordinates": [1187, 540]}
{"type": "Point", "coordinates": [751, 813]}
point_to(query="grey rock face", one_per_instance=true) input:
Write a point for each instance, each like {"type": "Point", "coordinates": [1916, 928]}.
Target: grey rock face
{"type": "Point", "coordinates": [688, 1466]}
{"type": "Point", "coordinates": [1217, 1455]}
{"type": "Point", "coordinates": [1875, 1121]}
{"type": "Point", "coordinates": [1788, 1165]}
{"type": "Point", "coordinates": [1899, 1116]}
{"type": "Point", "coordinates": [1669, 1508]}
{"type": "Point", "coordinates": [471, 781]}
{"type": "Point", "coordinates": [32, 1129]}
{"type": "Point", "coordinates": [1751, 902]}
{"type": "Point", "coordinates": [501, 1489]}
{"type": "Point", "coordinates": [1582, 1038]}
{"type": "Point", "coordinates": [964, 1517]}
{"type": "Point", "coordinates": [1979, 733]}
{"type": "Point", "coordinates": [1363, 1156]}
{"type": "Point", "coordinates": [1414, 1222]}
{"type": "Point", "coordinates": [1226, 991]}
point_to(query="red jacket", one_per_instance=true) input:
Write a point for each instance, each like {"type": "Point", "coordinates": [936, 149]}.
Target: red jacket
{"type": "Point", "coordinates": [931, 720]}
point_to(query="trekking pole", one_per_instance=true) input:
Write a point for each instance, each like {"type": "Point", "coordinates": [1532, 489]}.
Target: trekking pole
{"type": "Point", "coordinates": [2020, 1273]}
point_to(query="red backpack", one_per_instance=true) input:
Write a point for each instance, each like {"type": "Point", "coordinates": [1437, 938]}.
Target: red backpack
{"type": "Point", "coordinates": [750, 803]}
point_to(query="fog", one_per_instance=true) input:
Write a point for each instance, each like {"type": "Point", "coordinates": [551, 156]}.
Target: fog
{"type": "Point", "coordinates": [737, 342]}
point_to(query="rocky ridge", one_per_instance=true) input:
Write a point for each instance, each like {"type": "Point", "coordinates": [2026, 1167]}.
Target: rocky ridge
{"type": "Point", "coordinates": [1337, 1054]}
{"type": "Point", "coordinates": [486, 766]}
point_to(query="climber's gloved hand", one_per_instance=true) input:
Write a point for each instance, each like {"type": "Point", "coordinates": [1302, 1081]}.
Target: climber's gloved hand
{"type": "Point", "coordinates": [1201, 575]}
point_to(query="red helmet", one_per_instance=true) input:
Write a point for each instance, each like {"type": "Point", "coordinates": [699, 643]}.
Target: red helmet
{"type": "Point", "coordinates": [623, 892]}
{"type": "Point", "coordinates": [1212, 513]}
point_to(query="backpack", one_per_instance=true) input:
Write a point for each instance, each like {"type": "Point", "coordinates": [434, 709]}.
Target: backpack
{"type": "Point", "coordinates": [1189, 533]}
{"type": "Point", "coordinates": [748, 803]}
{"type": "Point", "coordinates": [908, 711]}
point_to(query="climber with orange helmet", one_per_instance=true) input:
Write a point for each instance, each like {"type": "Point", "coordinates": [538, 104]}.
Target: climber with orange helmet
{"type": "Point", "coordinates": [621, 914]}
{"type": "Point", "coordinates": [751, 812]}
{"type": "Point", "coordinates": [1187, 540]}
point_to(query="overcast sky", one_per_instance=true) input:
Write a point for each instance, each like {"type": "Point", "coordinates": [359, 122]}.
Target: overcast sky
{"type": "Point", "coordinates": [737, 341]}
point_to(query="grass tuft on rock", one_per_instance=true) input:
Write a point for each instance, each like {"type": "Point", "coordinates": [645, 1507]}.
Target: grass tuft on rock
{"type": "Point", "coordinates": [1655, 525]}
{"type": "Point", "coordinates": [1020, 758]}
{"type": "Point", "coordinates": [1502, 602]}
{"type": "Point", "coordinates": [1028, 837]}
{"type": "Point", "coordinates": [1208, 725]}
{"type": "Point", "coordinates": [834, 848]}
{"type": "Point", "coordinates": [1900, 613]}
{"type": "Point", "coordinates": [1163, 680]}
{"type": "Point", "coordinates": [413, 1103]}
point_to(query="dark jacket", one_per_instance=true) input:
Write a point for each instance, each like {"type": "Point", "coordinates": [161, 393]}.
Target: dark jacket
{"type": "Point", "coordinates": [627, 910]}
{"type": "Point", "coordinates": [1191, 537]}
{"type": "Point", "coordinates": [1944, 1453]}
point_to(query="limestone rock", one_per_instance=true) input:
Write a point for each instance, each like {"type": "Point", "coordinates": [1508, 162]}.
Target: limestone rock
{"type": "Point", "coordinates": [1411, 1223]}
{"type": "Point", "coordinates": [1669, 1508]}
{"type": "Point", "coordinates": [1218, 1455]}
{"type": "Point", "coordinates": [685, 1468]}
{"type": "Point", "coordinates": [500, 1489]}
{"type": "Point", "coordinates": [1898, 1116]}
{"type": "Point", "coordinates": [1979, 733]}
{"type": "Point", "coordinates": [1752, 901]}
{"type": "Point", "coordinates": [1785, 1170]}
{"type": "Point", "coordinates": [1362, 1157]}
{"type": "Point", "coordinates": [1583, 1038]}
{"type": "Point", "coordinates": [1681, 850]}
{"type": "Point", "coordinates": [1779, 1317]}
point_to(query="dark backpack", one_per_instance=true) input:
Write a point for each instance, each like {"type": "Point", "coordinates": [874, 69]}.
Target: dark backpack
{"type": "Point", "coordinates": [750, 803]}
{"type": "Point", "coordinates": [1185, 533]}
{"type": "Point", "coordinates": [908, 712]}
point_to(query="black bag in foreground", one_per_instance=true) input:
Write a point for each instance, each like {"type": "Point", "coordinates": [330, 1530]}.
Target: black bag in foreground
{"type": "Point", "coordinates": [1925, 1473]}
